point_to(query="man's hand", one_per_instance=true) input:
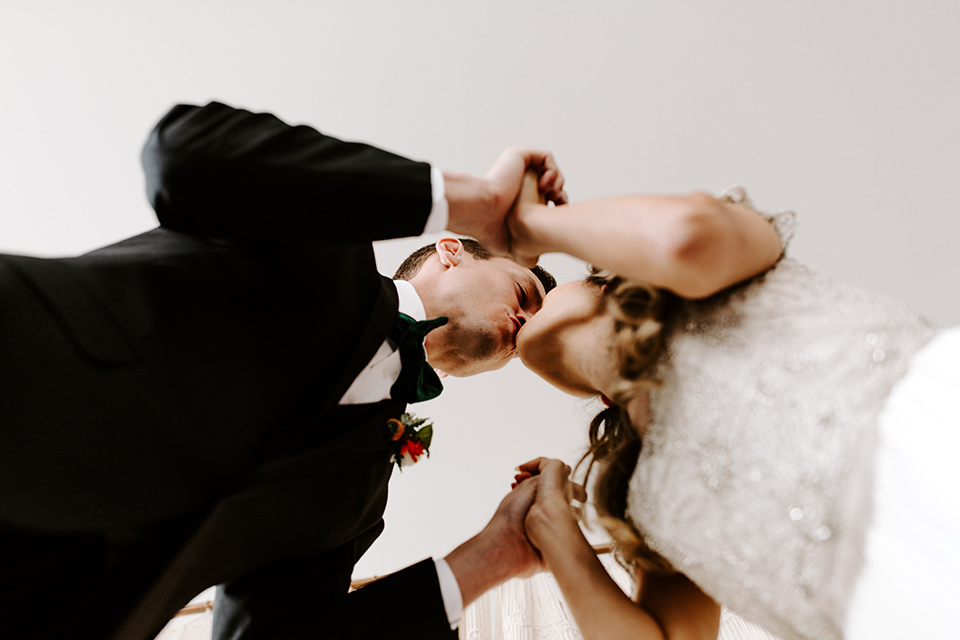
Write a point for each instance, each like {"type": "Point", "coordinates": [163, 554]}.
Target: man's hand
{"type": "Point", "coordinates": [479, 206]}
{"type": "Point", "coordinates": [501, 550]}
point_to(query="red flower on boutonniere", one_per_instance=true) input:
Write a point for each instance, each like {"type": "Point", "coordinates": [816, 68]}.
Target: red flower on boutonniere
{"type": "Point", "coordinates": [411, 438]}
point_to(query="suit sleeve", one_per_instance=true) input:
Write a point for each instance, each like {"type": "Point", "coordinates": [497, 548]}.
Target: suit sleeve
{"type": "Point", "coordinates": [222, 172]}
{"type": "Point", "coordinates": [309, 600]}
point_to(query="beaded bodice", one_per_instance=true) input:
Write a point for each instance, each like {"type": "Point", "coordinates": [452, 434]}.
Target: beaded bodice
{"type": "Point", "coordinates": [755, 474]}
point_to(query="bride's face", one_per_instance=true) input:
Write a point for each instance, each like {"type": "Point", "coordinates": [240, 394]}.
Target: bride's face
{"type": "Point", "coordinates": [569, 342]}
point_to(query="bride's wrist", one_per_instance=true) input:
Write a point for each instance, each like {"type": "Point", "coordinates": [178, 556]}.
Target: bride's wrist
{"type": "Point", "coordinates": [529, 228]}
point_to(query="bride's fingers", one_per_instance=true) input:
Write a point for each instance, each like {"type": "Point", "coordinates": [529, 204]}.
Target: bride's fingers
{"type": "Point", "coordinates": [543, 462]}
{"type": "Point", "coordinates": [553, 478]}
{"type": "Point", "coordinates": [558, 471]}
{"type": "Point", "coordinates": [577, 492]}
{"type": "Point", "coordinates": [531, 466]}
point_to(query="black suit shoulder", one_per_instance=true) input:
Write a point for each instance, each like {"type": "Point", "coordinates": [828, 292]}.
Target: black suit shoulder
{"type": "Point", "coordinates": [224, 172]}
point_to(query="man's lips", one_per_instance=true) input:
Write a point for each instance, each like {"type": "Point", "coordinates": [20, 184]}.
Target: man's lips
{"type": "Point", "coordinates": [517, 325]}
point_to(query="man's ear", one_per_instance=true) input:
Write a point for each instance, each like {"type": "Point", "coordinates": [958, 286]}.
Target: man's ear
{"type": "Point", "coordinates": [450, 251]}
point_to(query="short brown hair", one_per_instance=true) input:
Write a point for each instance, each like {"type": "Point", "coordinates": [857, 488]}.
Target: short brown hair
{"type": "Point", "coordinates": [411, 266]}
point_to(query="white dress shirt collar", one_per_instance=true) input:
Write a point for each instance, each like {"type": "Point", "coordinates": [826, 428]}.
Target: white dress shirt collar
{"type": "Point", "coordinates": [410, 303]}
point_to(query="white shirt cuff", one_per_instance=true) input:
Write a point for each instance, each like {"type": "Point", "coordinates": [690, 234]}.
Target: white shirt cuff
{"type": "Point", "coordinates": [450, 591]}
{"type": "Point", "coordinates": [440, 212]}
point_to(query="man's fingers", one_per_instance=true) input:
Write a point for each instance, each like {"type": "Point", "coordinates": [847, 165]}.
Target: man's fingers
{"type": "Point", "coordinates": [520, 477]}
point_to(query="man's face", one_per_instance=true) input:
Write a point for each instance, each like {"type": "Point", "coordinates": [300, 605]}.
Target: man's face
{"type": "Point", "coordinates": [488, 302]}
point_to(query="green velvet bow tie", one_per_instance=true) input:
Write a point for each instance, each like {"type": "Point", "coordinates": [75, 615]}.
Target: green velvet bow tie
{"type": "Point", "coordinates": [418, 381]}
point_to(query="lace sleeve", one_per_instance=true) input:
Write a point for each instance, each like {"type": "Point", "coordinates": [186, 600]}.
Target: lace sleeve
{"type": "Point", "coordinates": [784, 222]}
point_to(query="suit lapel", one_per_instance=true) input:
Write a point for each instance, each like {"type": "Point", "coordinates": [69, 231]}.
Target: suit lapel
{"type": "Point", "coordinates": [378, 326]}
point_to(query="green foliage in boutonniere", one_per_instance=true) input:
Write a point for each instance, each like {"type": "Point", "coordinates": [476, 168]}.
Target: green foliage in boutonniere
{"type": "Point", "coordinates": [411, 438]}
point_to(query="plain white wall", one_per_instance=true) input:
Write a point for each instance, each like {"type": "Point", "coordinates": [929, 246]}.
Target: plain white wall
{"type": "Point", "coordinates": [844, 112]}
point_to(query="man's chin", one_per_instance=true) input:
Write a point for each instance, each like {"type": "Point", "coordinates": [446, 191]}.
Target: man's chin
{"type": "Point", "coordinates": [476, 366]}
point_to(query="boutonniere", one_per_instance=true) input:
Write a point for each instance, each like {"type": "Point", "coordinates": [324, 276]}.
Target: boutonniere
{"type": "Point", "coordinates": [411, 438]}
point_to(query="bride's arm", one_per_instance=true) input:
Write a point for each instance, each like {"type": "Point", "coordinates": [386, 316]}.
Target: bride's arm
{"type": "Point", "coordinates": [693, 245]}
{"type": "Point", "coordinates": [668, 607]}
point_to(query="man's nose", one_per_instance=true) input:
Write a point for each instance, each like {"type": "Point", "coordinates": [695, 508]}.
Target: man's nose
{"type": "Point", "coordinates": [523, 316]}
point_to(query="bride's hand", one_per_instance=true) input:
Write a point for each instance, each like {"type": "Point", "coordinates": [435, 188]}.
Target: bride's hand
{"type": "Point", "coordinates": [552, 523]}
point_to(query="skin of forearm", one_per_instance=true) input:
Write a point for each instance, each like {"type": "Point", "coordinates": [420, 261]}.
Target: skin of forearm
{"type": "Point", "coordinates": [630, 235]}
{"type": "Point", "coordinates": [687, 244]}
{"type": "Point", "coordinates": [601, 609]}
{"type": "Point", "coordinates": [480, 564]}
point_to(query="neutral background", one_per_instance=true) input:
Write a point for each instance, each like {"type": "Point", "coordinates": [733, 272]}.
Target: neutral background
{"type": "Point", "coordinates": [845, 112]}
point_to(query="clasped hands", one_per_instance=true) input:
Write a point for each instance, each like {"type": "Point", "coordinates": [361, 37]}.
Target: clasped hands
{"type": "Point", "coordinates": [539, 512]}
{"type": "Point", "coordinates": [533, 519]}
{"type": "Point", "coordinates": [489, 208]}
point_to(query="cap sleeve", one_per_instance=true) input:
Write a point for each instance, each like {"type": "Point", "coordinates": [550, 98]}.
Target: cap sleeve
{"type": "Point", "coordinates": [784, 222]}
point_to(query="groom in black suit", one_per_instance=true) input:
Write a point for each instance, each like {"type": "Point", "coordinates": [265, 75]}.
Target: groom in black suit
{"type": "Point", "coordinates": [207, 403]}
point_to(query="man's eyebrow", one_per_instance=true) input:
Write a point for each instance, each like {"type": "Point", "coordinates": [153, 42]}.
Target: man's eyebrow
{"type": "Point", "coordinates": [536, 295]}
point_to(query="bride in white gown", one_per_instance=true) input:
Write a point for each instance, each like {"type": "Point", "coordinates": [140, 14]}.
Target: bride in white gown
{"type": "Point", "coordinates": [776, 441]}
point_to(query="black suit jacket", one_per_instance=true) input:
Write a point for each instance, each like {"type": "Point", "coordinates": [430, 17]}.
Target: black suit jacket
{"type": "Point", "coordinates": [170, 402]}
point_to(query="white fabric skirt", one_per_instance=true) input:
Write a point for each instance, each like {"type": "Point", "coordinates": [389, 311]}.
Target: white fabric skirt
{"type": "Point", "coordinates": [534, 609]}
{"type": "Point", "coordinates": [910, 584]}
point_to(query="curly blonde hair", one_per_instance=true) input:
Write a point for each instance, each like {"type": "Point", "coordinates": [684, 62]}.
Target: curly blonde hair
{"type": "Point", "coordinates": [639, 312]}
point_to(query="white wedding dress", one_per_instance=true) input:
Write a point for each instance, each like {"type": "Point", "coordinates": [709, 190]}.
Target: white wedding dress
{"type": "Point", "coordinates": [801, 464]}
